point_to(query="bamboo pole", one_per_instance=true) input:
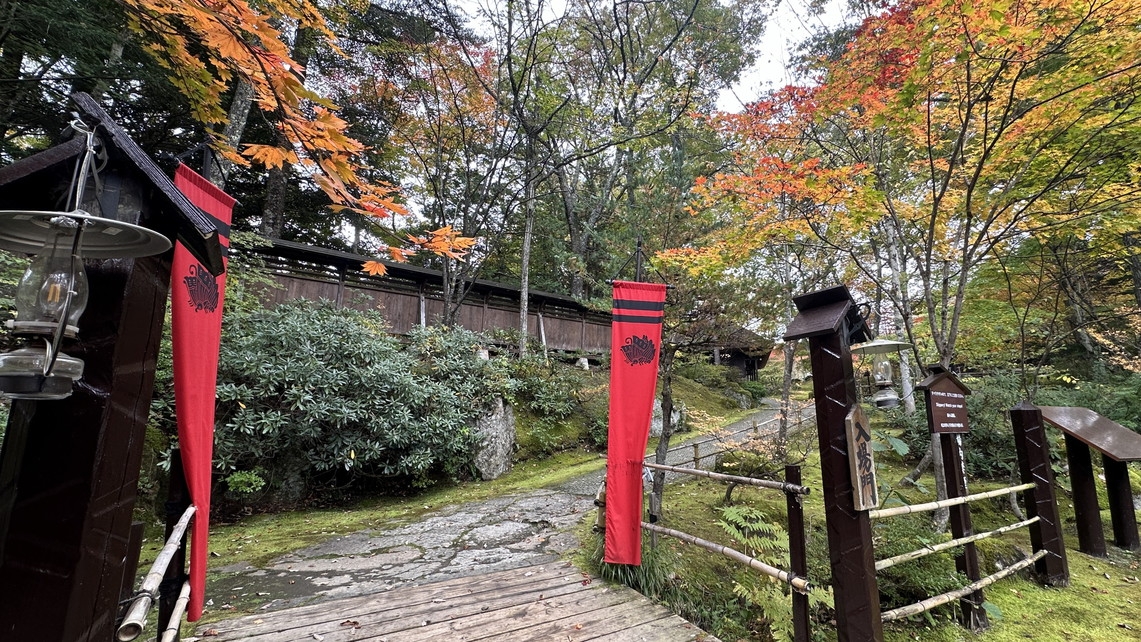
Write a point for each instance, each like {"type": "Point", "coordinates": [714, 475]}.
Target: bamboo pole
{"type": "Point", "coordinates": [935, 548]}
{"type": "Point", "coordinates": [800, 584]}
{"type": "Point", "coordinates": [951, 596]}
{"type": "Point", "coordinates": [799, 408]}
{"type": "Point", "coordinates": [737, 479]}
{"type": "Point", "coordinates": [954, 501]}
{"type": "Point", "coordinates": [170, 633]}
{"type": "Point", "coordinates": [132, 626]}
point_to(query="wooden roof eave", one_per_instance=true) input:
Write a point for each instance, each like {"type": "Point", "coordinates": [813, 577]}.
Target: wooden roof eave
{"type": "Point", "coordinates": [192, 226]}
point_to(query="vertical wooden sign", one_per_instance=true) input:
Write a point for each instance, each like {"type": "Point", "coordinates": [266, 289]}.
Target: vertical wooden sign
{"type": "Point", "coordinates": [863, 467]}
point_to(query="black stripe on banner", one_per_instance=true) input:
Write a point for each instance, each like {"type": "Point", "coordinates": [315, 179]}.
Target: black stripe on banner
{"type": "Point", "coordinates": [630, 304]}
{"type": "Point", "coordinates": [629, 318]}
{"type": "Point", "coordinates": [223, 229]}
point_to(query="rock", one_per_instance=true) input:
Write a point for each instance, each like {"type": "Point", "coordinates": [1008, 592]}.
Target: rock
{"type": "Point", "coordinates": [677, 416]}
{"type": "Point", "coordinates": [496, 433]}
{"type": "Point", "coordinates": [744, 400]}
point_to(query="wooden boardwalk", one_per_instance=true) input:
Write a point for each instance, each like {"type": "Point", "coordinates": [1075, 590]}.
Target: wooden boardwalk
{"type": "Point", "coordinates": [554, 602]}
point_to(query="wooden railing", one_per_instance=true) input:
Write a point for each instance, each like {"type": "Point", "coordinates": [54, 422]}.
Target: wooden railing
{"type": "Point", "coordinates": [796, 575]}
{"type": "Point", "coordinates": [973, 587]}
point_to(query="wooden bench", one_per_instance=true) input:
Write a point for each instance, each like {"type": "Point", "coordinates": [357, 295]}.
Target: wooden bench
{"type": "Point", "coordinates": [1118, 445]}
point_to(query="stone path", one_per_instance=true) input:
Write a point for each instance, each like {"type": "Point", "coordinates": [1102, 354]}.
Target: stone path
{"type": "Point", "coordinates": [456, 541]}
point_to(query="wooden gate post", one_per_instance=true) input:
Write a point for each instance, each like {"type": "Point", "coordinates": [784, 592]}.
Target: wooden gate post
{"type": "Point", "coordinates": [70, 478]}
{"type": "Point", "coordinates": [831, 323]}
{"type": "Point", "coordinates": [797, 553]}
{"type": "Point", "coordinates": [972, 614]}
{"type": "Point", "coordinates": [1034, 463]}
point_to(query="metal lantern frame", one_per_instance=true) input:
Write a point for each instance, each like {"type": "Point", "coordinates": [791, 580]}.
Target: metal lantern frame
{"type": "Point", "coordinates": [94, 237]}
{"type": "Point", "coordinates": [885, 395]}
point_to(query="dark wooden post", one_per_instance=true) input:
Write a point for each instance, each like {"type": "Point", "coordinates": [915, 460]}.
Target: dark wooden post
{"type": "Point", "coordinates": [797, 554]}
{"type": "Point", "coordinates": [1121, 510]}
{"type": "Point", "coordinates": [972, 614]}
{"type": "Point", "coordinates": [74, 479]}
{"type": "Point", "coordinates": [1034, 463]}
{"type": "Point", "coordinates": [1087, 512]}
{"type": "Point", "coordinates": [71, 521]}
{"type": "Point", "coordinates": [829, 321]}
{"type": "Point", "coordinates": [946, 401]}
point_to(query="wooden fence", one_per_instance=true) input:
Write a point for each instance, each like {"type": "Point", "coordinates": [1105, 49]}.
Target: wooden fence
{"type": "Point", "coordinates": [411, 296]}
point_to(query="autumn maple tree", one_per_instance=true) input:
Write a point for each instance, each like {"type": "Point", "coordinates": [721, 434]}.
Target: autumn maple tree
{"type": "Point", "coordinates": [945, 135]}
{"type": "Point", "coordinates": [206, 45]}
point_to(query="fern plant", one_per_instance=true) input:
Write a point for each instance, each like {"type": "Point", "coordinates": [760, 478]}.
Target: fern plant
{"type": "Point", "coordinates": [767, 542]}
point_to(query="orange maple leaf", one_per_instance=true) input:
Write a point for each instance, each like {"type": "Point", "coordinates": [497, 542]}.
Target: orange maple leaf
{"type": "Point", "coordinates": [374, 268]}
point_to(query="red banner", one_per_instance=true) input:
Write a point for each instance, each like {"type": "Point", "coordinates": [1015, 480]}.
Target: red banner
{"type": "Point", "coordinates": [635, 338]}
{"type": "Point", "coordinates": [196, 329]}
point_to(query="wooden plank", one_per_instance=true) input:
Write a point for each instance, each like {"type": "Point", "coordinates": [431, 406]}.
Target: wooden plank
{"type": "Point", "coordinates": [631, 610]}
{"type": "Point", "coordinates": [666, 629]}
{"type": "Point", "coordinates": [536, 603]}
{"type": "Point", "coordinates": [528, 582]}
{"type": "Point", "coordinates": [502, 622]}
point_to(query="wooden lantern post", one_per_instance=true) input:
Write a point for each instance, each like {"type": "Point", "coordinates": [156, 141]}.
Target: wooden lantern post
{"type": "Point", "coordinates": [69, 469]}
{"type": "Point", "coordinates": [830, 321]}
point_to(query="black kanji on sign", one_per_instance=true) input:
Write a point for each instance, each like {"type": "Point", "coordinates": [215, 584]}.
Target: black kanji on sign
{"type": "Point", "coordinates": [202, 288]}
{"type": "Point", "coordinates": [639, 351]}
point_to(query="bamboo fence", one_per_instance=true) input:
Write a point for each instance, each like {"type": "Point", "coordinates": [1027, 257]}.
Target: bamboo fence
{"type": "Point", "coordinates": [170, 633]}
{"type": "Point", "coordinates": [132, 626]}
{"type": "Point", "coordinates": [951, 596]}
{"type": "Point", "coordinates": [954, 501]}
{"type": "Point", "coordinates": [800, 584]}
{"type": "Point", "coordinates": [751, 481]}
{"type": "Point", "coordinates": [935, 548]}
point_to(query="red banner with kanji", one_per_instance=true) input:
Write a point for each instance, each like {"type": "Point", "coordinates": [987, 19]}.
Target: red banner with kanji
{"type": "Point", "coordinates": [196, 330]}
{"type": "Point", "coordinates": [635, 338]}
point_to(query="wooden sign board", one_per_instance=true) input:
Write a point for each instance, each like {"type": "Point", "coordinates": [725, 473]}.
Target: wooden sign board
{"type": "Point", "coordinates": [947, 405]}
{"type": "Point", "coordinates": [865, 490]}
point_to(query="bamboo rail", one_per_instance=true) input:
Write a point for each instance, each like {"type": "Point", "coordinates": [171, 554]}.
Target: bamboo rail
{"type": "Point", "coordinates": [935, 548]}
{"type": "Point", "coordinates": [170, 633]}
{"type": "Point", "coordinates": [132, 626]}
{"type": "Point", "coordinates": [803, 413]}
{"type": "Point", "coordinates": [799, 584]}
{"type": "Point", "coordinates": [954, 501]}
{"type": "Point", "coordinates": [951, 596]}
{"type": "Point", "coordinates": [751, 481]}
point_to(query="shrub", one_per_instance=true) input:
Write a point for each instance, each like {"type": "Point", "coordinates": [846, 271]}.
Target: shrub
{"type": "Point", "coordinates": [319, 397]}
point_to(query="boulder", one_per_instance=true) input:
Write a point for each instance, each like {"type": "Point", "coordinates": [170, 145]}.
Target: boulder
{"type": "Point", "coordinates": [678, 417]}
{"type": "Point", "coordinates": [496, 433]}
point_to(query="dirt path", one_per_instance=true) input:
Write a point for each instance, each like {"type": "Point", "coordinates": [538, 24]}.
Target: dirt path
{"type": "Point", "coordinates": [455, 541]}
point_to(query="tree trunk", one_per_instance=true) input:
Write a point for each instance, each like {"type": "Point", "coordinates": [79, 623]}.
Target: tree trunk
{"type": "Point", "coordinates": [789, 351]}
{"type": "Point", "coordinates": [273, 208]}
{"type": "Point", "coordinates": [215, 168]}
{"type": "Point", "coordinates": [11, 62]}
{"type": "Point", "coordinates": [902, 312]}
{"type": "Point", "coordinates": [662, 451]}
{"type": "Point", "coordinates": [277, 182]}
{"type": "Point", "coordinates": [1133, 245]}
{"type": "Point", "coordinates": [525, 258]}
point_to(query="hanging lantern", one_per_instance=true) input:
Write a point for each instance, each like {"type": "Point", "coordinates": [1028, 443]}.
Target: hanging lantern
{"type": "Point", "coordinates": [885, 395]}
{"type": "Point", "coordinates": [53, 292]}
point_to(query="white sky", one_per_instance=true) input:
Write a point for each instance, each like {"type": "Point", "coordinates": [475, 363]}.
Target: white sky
{"type": "Point", "coordinates": [790, 24]}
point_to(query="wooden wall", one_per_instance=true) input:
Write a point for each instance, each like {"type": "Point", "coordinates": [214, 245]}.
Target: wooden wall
{"type": "Point", "coordinates": [407, 296]}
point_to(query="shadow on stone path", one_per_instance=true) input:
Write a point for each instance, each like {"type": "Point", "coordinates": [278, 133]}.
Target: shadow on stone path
{"type": "Point", "coordinates": [456, 541]}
